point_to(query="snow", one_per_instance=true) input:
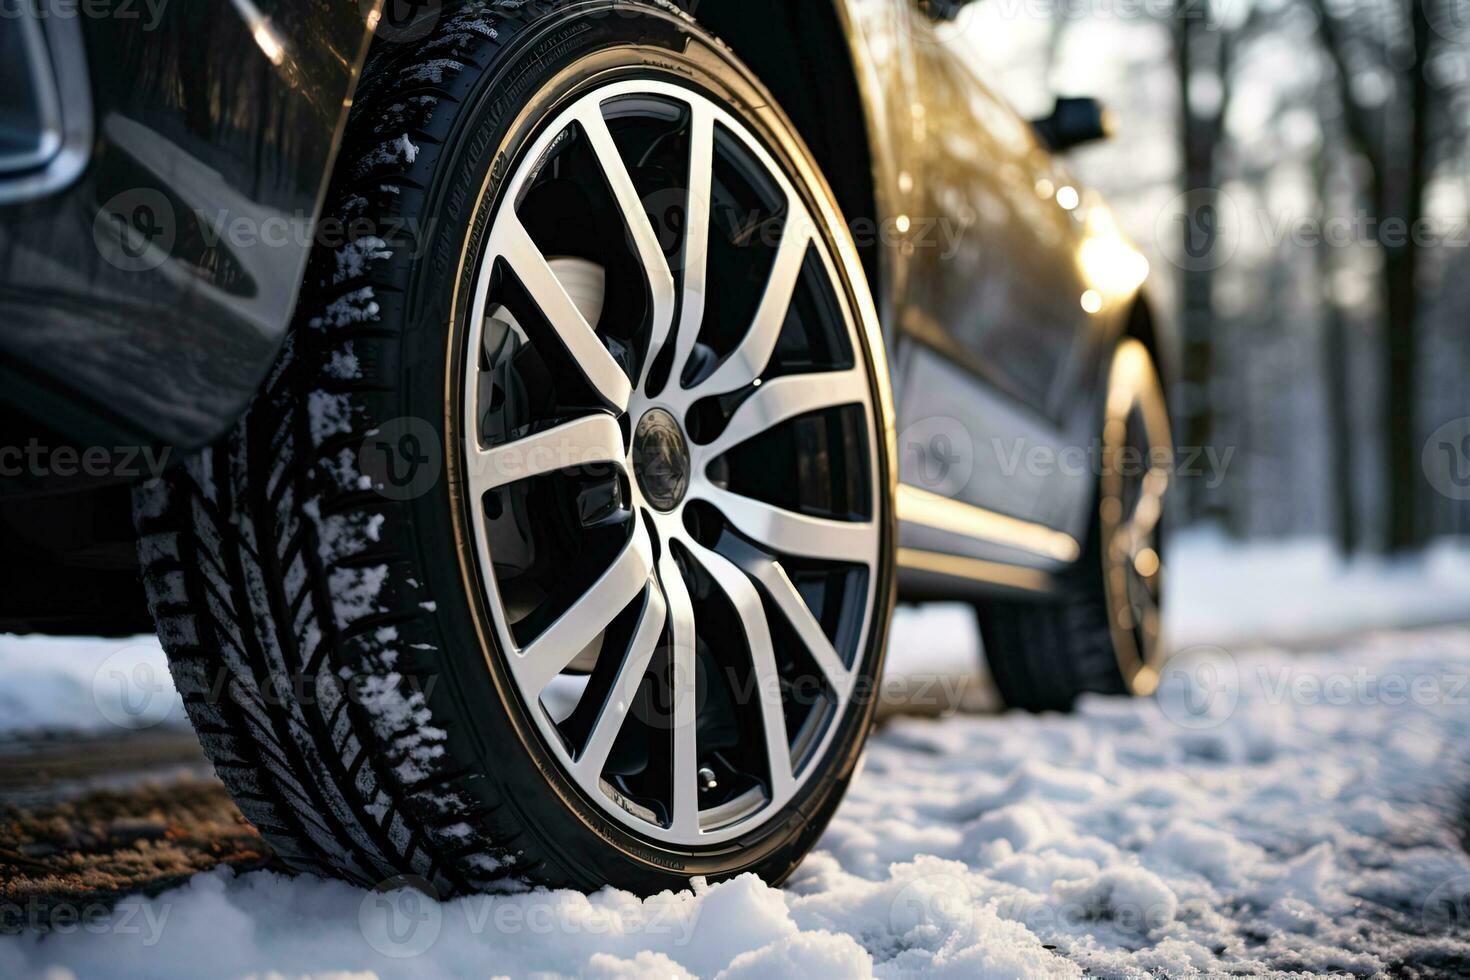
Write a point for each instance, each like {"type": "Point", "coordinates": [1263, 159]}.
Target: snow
{"type": "Point", "coordinates": [358, 306]}
{"type": "Point", "coordinates": [353, 258]}
{"type": "Point", "coordinates": [1243, 822]}
{"type": "Point", "coordinates": [1223, 593]}
{"type": "Point", "coordinates": [1291, 590]}
{"type": "Point", "coordinates": [344, 365]}
{"type": "Point", "coordinates": [331, 415]}
{"type": "Point", "coordinates": [935, 639]}
{"type": "Point", "coordinates": [355, 592]}
{"type": "Point", "coordinates": [84, 686]}
{"type": "Point", "coordinates": [1268, 812]}
{"type": "Point", "coordinates": [401, 150]}
{"type": "Point", "coordinates": [431, 71]}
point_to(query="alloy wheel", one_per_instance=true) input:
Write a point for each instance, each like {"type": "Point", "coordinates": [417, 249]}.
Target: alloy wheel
{"type": "Point", "coordinates": [670, 457]}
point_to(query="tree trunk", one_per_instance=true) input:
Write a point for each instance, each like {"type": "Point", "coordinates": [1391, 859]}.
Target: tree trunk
{"type": "Point", "coordinates": [1337, 387]}
{"type": "Point", "coordinates": [1401, 287]}
{"type": "Point", "coordinates": [1399, 173]}
{"type": "Point", "coordinates": [1200, 134]}
{"type": "Point", "coordinates": [1340, 426]}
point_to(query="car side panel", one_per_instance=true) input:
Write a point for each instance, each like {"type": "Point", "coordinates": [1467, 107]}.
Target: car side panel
{"type": "Point", "coordinates": [146, 302]}
{"type": "Point", "coordinates": [997, 364]}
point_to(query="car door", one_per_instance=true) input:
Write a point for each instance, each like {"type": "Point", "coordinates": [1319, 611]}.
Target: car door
{"type": "Point", "coordinates": [993, 315]}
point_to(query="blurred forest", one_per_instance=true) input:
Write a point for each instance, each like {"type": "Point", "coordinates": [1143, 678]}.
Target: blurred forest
{"type": "Point", "coordinates": [1299, 173]}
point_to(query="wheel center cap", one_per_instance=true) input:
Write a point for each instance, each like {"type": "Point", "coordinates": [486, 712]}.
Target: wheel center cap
{"type": "Point", "coordinates": [661, 459]}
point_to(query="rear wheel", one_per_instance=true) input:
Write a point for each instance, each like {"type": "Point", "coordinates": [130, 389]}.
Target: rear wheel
{"type": "Point", "coordinates": [559, 545]}
{"type": "Point", "coordinates": [1105, 634]}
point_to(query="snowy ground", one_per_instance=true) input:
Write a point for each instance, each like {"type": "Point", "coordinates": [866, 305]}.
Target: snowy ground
{"type": "Point", "coordinates": [1295, 590]}
{"type": "Point", "coordinates": [84, 686]}
{"type": "Point", "coordinates": [1220, 593]}
{"type": "Point", "coordinates": [1269, 812]}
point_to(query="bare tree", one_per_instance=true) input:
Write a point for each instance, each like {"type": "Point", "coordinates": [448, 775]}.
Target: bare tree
{"type": "Point", "coordinates": [1393, 137]}
{"type": "Point", "coordinates": [1337, 386]}
{"type": "Point", "coordinates": [1201, 58]}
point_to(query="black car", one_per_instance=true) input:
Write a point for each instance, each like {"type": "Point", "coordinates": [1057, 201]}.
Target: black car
{"type": "Point", "coordinates": [518, 419]}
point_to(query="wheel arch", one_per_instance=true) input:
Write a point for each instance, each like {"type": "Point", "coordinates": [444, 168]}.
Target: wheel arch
{"type": "Point", "coordinates": [801, 52]}
{"type": "Point", "coordinates": [1142, 324]}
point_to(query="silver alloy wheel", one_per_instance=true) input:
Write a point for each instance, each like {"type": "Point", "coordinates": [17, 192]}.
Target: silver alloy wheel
{"type": "Point", "coordinates": [645, 608]}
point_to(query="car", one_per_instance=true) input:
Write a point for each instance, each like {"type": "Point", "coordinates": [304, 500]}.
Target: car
{"type": "Point", "coordinates": [518, 420]}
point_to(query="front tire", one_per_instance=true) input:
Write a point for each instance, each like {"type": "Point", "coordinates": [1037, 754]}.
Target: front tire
{"type": "Point", "coordinates": [559, 545]}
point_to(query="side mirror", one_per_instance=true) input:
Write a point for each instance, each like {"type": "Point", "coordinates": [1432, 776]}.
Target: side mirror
{"type": "Point", "coordinates": [1073, 122]}
{"type": "Point", "coordinates": [940, 11]}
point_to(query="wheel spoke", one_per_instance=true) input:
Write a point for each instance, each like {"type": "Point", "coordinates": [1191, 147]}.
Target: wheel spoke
{"type": "Point", "coordinates": [1150, 506]}
{"type": "Point", "coordinates": [696, 233]}
{"type": "Point", "coordinates": [660, 280]}
{"type": "Point", "coordinates": [750, 358]}
{"type": "Point", "coordinates": [767, 687]}
{"type": "Point", "coordinates": [604, 401]}
{"type": "Point", "coordinates": [684, 817]}
{"type": "Point", "coordinates": [564, 639]}
{"type": "Point", "coordinates": [595, 440]}
{"type": "Point", "coordinates": [788, 531]}
{"type": "Point", "coordinates": [514, 244]}
{"type": "Point", "coordinates": [624, 690]}
{"type": "Point", "coordinates": [788, 599]}
{"type": "Point", "coordinates": [786, 398]}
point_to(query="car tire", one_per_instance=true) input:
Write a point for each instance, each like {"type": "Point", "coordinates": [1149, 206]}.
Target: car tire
{"type": "Point", "coordinates": [351, 585]}
{"type": "Point", "coordinates": [1103, 635]}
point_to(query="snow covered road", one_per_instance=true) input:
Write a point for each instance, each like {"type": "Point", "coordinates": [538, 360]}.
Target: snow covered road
{"type": "Point", "coordinates": [1271, 812]}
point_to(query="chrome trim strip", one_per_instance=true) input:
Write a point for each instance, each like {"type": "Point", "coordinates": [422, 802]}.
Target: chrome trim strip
{"type": "Point", "coordinates": [917, 506]}
{"type": "Point", "coordinates": [57, 63]}
{"type": "Point", "coordinates": [975, 569]}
